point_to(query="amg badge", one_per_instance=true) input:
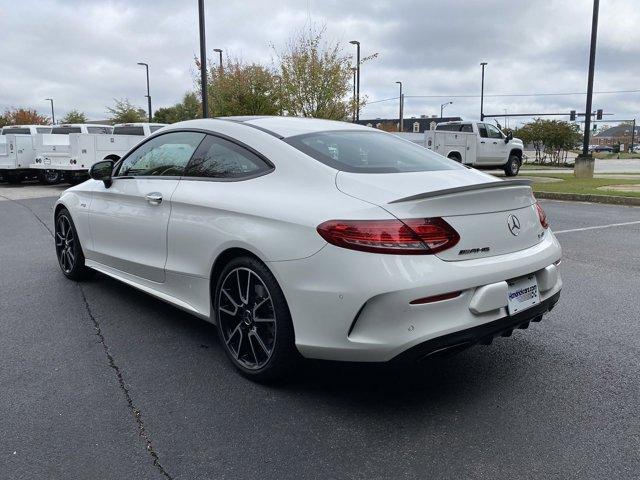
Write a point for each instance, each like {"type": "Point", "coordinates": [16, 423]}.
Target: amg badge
{"type": "Point", "coordinates": [471, 251]}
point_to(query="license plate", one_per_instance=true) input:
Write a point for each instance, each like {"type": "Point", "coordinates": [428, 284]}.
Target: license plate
{"type": "Point", "coordinates": [523, 294]}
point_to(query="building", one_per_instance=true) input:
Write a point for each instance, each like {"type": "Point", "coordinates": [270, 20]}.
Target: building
{"type": "Point", "coordinates": [411, 124]}
{"type": "Point", "coordinates": [621, 134]}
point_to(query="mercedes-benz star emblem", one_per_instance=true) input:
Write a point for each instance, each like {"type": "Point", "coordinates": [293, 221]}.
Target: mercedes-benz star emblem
{"type": "Point", "coordinates": [514, 225]}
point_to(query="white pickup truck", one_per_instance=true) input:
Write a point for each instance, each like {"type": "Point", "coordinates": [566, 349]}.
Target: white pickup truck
{"type": "Point", "coordinates": [72, 149]}
{"type": "Point", "coordinates": [17, 152]}
{"type": "Point", "coordinates": [477, 144]}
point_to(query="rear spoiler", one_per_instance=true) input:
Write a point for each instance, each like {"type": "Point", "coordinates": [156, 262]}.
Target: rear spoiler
{"type": "Point", "coordinates": [466, 188]}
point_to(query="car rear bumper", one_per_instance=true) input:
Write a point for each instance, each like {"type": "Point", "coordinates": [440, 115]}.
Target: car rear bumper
{"type": "Point", "coordinates": [481, 334]}
{"type": "Point", "coordinates": [356, 306]}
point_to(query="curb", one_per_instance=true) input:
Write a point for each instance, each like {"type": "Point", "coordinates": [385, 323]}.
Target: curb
{"type": "Point", "coordinates": [578, 197]}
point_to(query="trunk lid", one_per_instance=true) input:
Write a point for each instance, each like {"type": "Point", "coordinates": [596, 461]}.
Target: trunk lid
{"type": "Point", "coordinates": [492, 217]}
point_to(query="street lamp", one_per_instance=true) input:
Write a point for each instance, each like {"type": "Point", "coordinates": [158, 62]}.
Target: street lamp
{"type": "Point", "coordinates": [219, 51]}
{"type": "Point", "coordinates": [442, 108]}
{"type": "Point", "coordinates": [357, 44]}
{"type": "Point", "coordinates": [203, 59]}
{"type": "Point", "coordinates": [400, 122]}
{"type": "Point", "coordinates": [483, 64]}
{"type": "Point", "coordinates": [148, 94]}
{"type": "Point", "coordinates": [53, 116]}
{"type": "Point", "coordinates": [353, 108]}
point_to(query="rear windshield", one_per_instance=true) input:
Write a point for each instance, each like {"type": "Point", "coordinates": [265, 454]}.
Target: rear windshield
{"type": "Point", "coordinates": [369, 152]}
{"type": "Point", "coordinates": [455, 127]}
{"type": "Point", "coordinates": [15, 131]}
{"type": "Point", "coordinates": [128, 131]}
{"type": "Point", "coordinates": [43, 130]}
{"type": "Point", "coordinates": [106, 130]}
{"type": "Point", "coordinates": [65, 130]}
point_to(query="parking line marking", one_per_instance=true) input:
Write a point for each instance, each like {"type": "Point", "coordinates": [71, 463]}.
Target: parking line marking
{"type": "Point", "coordinates": [597, 227]}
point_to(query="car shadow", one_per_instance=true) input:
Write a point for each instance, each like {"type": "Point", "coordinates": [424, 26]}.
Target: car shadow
{"type": "Point", "coordinates": [369, 386]}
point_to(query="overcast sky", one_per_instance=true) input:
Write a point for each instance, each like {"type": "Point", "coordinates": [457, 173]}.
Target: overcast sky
{"type": "Point", "coordinates": [84, 53]}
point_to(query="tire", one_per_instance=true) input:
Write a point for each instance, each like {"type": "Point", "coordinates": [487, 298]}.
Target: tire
{"type": "Point", "coordinates": [50, 177]}
{"type": "Point", "coordinates": [254, 324]}
{"type": "Point", "coordinates": [68, 248]}
{"type": "Point", "coordinates": [455, 157]}
{"type": "Point", "coordinates": [512, 167]}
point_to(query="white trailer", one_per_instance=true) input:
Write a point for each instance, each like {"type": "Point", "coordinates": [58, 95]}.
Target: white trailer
{"type": "Point", "coordinates": [17, 152]}
{"type": "Point", "coordinates": [477, 144]}
{"type": "Point", "coordinates": [72, 149]}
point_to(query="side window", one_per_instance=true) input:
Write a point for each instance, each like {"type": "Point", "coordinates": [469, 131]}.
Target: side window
{"type": "Point", "coordinates": [493, 132]}
{"type": "Point", "coordinates": [220, 158]}
{"type": "Point", "coordinates": [106, 130]}
{"type": "Point", "coordinates": [482, 128]}
{"type": "Point", "coordinates": [165, 155]}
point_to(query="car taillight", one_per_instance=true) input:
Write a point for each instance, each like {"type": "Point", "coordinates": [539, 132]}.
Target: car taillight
{"type": "Point", "coordinates": [542, 216]}
{"type": "Point", "coordinates": [416, 236]}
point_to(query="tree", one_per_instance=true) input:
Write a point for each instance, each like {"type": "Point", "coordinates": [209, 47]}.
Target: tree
{"type": "Point", "coordinates": [74, 116]}
{"type": "Point", "coordinates": [24, 116]}
{"type": "Point", "coordinates": [124, 112]}
{"type": "Point", "coordinates": [241, 89]}
{"type": "Point", "coordinates": [188, 109]}
{"type": "Point", "coordinates": [315, 77]}
{"type": "Point", "coordinates": [550, 138]}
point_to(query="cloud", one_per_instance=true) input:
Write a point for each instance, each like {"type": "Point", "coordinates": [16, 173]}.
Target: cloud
{"type": "Point", "coordinates": [84, 53]}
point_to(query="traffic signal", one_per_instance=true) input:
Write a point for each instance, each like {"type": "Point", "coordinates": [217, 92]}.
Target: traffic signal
{"type": "Point", "coordinates": [572, 116]}
{"type": "Point", "coordinates": [599, 114]}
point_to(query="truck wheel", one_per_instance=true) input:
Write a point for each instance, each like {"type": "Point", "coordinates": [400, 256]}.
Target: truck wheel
{"type": "Point", "coordinates": [455, 157]}
{"type": "Point", "coordinates": [50, 177]}
{"type": "Point", "coordinates": [512, 167]}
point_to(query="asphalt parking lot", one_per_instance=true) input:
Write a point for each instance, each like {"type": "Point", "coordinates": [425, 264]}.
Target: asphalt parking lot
{"type": "Point", "coordinates": [101, 381]}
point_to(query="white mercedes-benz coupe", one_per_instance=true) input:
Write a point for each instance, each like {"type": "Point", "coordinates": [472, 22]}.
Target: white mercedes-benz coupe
{"type": "Point", "coordinates": [313, 238]}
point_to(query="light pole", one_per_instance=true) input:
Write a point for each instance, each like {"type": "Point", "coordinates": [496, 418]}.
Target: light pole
{"type": "Point", "coordinates": [53, 115]}
{"type": "Point", "coordinates": [148, 94]}
{"type": "Point", "coordinates": [219, 51]}
{"type": "Point", "coordinates": [353, 107]}
{"type": "Point", "coordinates": [584, 163]}
{"type": "Point", "coordinates": [357, 44]}
{"type": "Point", "coordinates": [203, 60]}
{"type": "Point", "coordinates": [483, 64]}
{"type": "Point", "coordinates": [400, 122]}
{"type": "Point", "coordinates": [442, 108]}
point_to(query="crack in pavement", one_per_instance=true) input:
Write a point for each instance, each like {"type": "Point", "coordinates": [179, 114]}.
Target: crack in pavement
{"type": "Point", "coordinates": [137, 415]}
{"type": "Point", "coordinates": [136, 412]}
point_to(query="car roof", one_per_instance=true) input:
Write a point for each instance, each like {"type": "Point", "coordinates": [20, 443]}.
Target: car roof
{"type": "Point", "coordinates": [27, 126]}
{"type": "Point", "coordinates": [140, 124]}
{"type": "Point", "coordinates": [282, 127]}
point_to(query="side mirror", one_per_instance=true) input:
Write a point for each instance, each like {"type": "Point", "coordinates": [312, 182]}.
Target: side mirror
{"type": "Point", "coordinates": [509, 137]}
{"type": "Point", "coordinates": [102, 171]}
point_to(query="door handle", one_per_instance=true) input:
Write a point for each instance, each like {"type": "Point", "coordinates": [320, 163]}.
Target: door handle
{"type": "Point", "coordinates": [154, 198]}
{"type": "Point", "coordinates": [495, 143]}
{"type": "Point", "coordinates": [482, 141]}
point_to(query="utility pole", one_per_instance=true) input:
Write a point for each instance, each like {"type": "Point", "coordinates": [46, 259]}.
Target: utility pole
{"type": "Point", "coordinates": [219, 52]}
{"type": "Point", "coordinates": [633, 134]}
{"type": "Point", "coordinates": [53, 115]}
{"type": "Point", "coordinates": [148, 94]}
{"type": "Point", "coordinates": [357, 44]}
{"type": "Point", "coordinates": [583, 167]}
{"type": "Point", "coordinates": [353, 107]}
{"type": "Point", "coordinates": [483, 64]}
{"type": "Point", "coordinates": [442, 108]}
{"type": "Point", "coordinates": [203, 60]}
{"type": "Point", "coordinates": [400, 99]}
